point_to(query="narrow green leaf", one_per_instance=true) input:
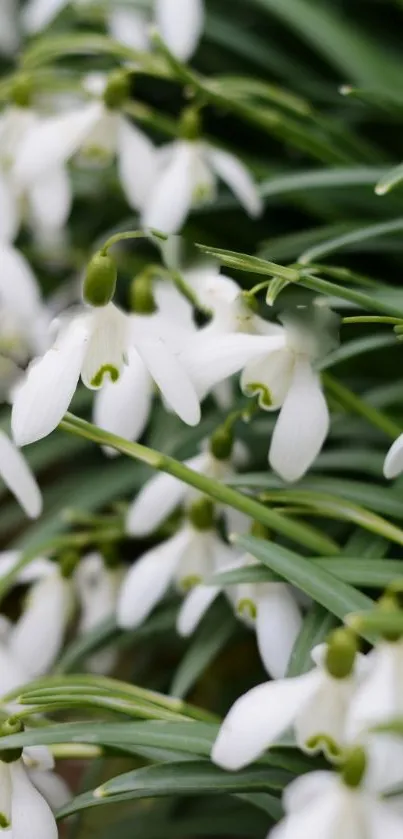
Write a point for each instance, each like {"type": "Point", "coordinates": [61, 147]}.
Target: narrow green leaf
{"type": "Point", "coordinates": [244, 262]}
{"type": "Point", "coordinates": [390, 180]}
{"type": "Point", "coordinates": [360, 572]}
{"type": "Point", "coordinates": [212, 636]}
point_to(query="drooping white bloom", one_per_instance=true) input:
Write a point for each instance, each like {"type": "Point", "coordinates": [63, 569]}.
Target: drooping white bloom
{"type": "Point", "coordinates": [184, 559]}
{"type": "Point", "coordinates": [12, 672]}
{"type": "Point", "coordinates": [45, 201]}
{"type": "Point", "coordinates": [129, 26]}
{"type": "Point", "coordinates": [97, 589]}
{"type": "Point", "coordinates": [380, 696]}
{"type": "Point", "coordinates": [9, 35]}
{"type": "Point", "coordinates": [40, 764]}
{"type": "Point", "coordinates": [18, 477]}
{"type": "Point", "coordinates": [190, 169]}
{"type": "Point", "coordinates": [24, 319]}
{"type": "Point", "coordinates": [321, 804]}
{"type": "Point", "coordinates": [98, 133]}
{"type": "Point", "coordinates": [22, 807]}
{"type": "Point", "coordinates": [37, 637]}
{"type": "Point", "coordinates": [393, 465]}
{"type": "Point", "coordinates": [272, 611]}
{"type": "Point", "coordinates": [315, 704]}
{"type": "Point", "coordinates": [286, 379]}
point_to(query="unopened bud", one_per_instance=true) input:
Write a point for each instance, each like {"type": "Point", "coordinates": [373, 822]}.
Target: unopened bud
{"type": "Point", "coordinates": [141, 295]}
{"type": "Point", "coordinates": [201, 514]}
{"type": "Point", "coordinates": [354, 767]}
{"type": "Point", "coordinates": [190, 124]}
{"type": "Point", "coordinates": [342, 648]}
{"type": "Point", "coordinates": [68, 563]}
{"type": "Point", "coordinates": [117, 89]}
{"type": "Point", "coordinates": [21, 91]}
{"type": "Point", "coordinates": [222, 443]}
{"type": "Point", "coordinates": [100, 280]}
{"type": "Point", "coordinates": [389, 602]}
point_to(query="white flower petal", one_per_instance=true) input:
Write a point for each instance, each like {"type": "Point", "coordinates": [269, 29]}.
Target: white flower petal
{"type": "Point", "coordinates": [18, 477]}
{"type": "Point", "coordinates": [52, 788]}
{"type": "Point", "coordinates": [194, 607]}
{"type": "Point", "coordinates": [383, 820]}
{"type": "Point", "coordinates": [45, 393]}
{"type": "Point", "coordinates": [211, 361]}
{"type": "Point", "coordinates": [158, 499]}
{"type": "Point", "coordinates": [37, 568]}
{"type": "Point", "coordinates": [12, 673]}
{"type": "Point", "coordinates": [38, 757]}
{"type": "Point", "coordinates": [37, 14]}
{"type": "Point", "coordinates": [129, 27]}
{"type": "Point", "coordinates": [197, 561]}
{"type": "Point", "coordinates": [137, 163]}
{"type": "Point", "coordinates": [181, 25]}
{"type": "Point", "coordinates": [324, 817]}
{"type": "Point", "coordinates": [9, 35]}
{"type": "Point", "coordinates": [302, 426]}
{"type": "Point", "coordinates": [258, 719]}
{"type": "Point", "coordinates": [107, 346]}
{"type": "Point", "coordinates": [326, 712]}
{"type": "Point", "coordinates": [5, 796]}
{"type": "Point", "coordinates": [171, 198]}
{"type": "Point", "coordinates": [270, 378]}
{"type": "Point", "coordinates": [97, 593]}
{"type": "Point", "coordinates": [148, 580]}
{"type": "Point", "coordinates": [278, 623]}
{"type": "Point", "coordinates": [52, 141]}
{"type": "Point", "coordinates": [306, 788]}
{"type": "Point", "coordinates": [50, 198]}
{"type": "Point", "coordinates": [238, 178]}
{"type": "Point", "coordinates": [30, 814]}
{"type": "Point", "coordinates": [19, 290]}
{"type": "Point", "coordinates": [123, 407]}
{"type": "Point", "coordinates": [393, 465]}
{"type": "Point", "coordinates": [172, 305]}
{"type": "Point", "coordinates": [9, 213]}
{"type": "Point", "coordinates": [378, 698]}
{"type": "Point", "coordinates": [171, 378]}
{"type": "Point", "coordinates": [37, 637]}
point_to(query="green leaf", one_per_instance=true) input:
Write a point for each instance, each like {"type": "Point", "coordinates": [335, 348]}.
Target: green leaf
{"type": "Point", "coordinates": [390, 180]}
{"type": "Point", "coordinates": [360, 572]}
{"type": "Point", "coordinates": [359, 346]}
{"type": "Point", "coordinates": [318, 622]}
{"type": "Point", "coordinates": [336, 596]}
{"type": "Point", "coordinates": [244, 262]}
{"type": "Point", "coordinates": [211, 637]}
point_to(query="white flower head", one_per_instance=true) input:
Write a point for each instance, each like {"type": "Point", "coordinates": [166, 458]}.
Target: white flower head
{"type": "Point", "coordinates": [379, 697]}
{"type": "Point", "coordinates": [184, 559]}
{"type": "Point", "coordinates": [96, 131]}
{"type": "Point", "coordinates": [188, 177]}
{"type": "Point", "coordinates": [286, 379]}
{"type": "Point", "coordinates": [393, 465]}
{"type": "Point", "coordinates": [18, 477]}
{"type": "Point", "coordinates": [97, 590]}
{"type": "Point", "coordinates": [315, 704]}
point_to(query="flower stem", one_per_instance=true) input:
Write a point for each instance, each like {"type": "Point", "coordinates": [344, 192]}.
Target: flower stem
{"type": "Point", "coordinates": [297, 531]}
{"type": "Point", "coordinates": [373, 319]}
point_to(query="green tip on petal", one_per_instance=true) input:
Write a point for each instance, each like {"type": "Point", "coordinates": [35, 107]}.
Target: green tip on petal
{"type": "Point", "coordinates": [106, 369]}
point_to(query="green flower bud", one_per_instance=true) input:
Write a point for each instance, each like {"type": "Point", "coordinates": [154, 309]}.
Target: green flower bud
{"type": "Point", "coordinates": [21, 91]}
{"type": "Point", "coordinates": [190, 124]}
{"type": "Point", "coordinates": [260, 531]}
{"type": "Point", "coordinates": [354, 767]}
{"type": "Point", "coordinates": [342, 648]}
{"type": "Point", "coordinates": [141, 295]}
{"type": "Point", "coordinates": [68, 562]}
{"type": "Point", "coordinates": [9, 727]}
{"type": "Point", "coordinates": [222, 443]}
{"type": "Point", "coordinates": [100, 280]}
{"type": "Point", "coordinates": [201, 514]}
{"type": "Point", "coordinates": [389, 602]}
{"type": "Point", "coordinates": [117, 90]}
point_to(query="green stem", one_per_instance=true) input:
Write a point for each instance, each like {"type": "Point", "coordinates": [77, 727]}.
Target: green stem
{"type": "Point", "coordinates": [373, 319]}
{"type": "Point", "coordinates": [347, 399]}
{"type": "Point", "coordinates": [297, 531]}
{"type": "Point", "coordinates": [359, 298]}
{"type": "Point", "coordinates": [119, 237]}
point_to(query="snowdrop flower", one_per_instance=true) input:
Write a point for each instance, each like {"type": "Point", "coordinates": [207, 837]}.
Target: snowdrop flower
{"type": "Point", "coordinates": [13, 674]}
{"type": "Point", "coordinates": [272, 611]}
{"type": "Point", "coordinates": [9, 35]}
{"type": "Point", "coordinates": [185, 559]}
{"type": "Point", "coordinates": [97, 590]}
{"type": "Point", "coordinates": [99, 132]}
{"type": "Point", "coordinates": [328, 805]}
{"type": "Point", "coordinates": [18, 477]}
{"type": "Point", "coordinates": [315, 704]}
{"type": "Point", "coordinates": [22, 807]}
{"type": "Point", "coordinates": [123, 407]}
{"type": "Point", "coordinates": [40, 764]}
{"type": "Point", "coordinates": [37, 637]}
{"type": "Point", "coordinates": [286, 379]}
{"type": "Point", "coordinates": [24, 318]}
{"type": "Point", "coordinates": [180, 23]}
{"type": "Point", "coordinates": [129, 26]}
{"type": "Point", "coordinates": [46, 200]}
{"type": "Point", "coordinates": [189, 169]}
